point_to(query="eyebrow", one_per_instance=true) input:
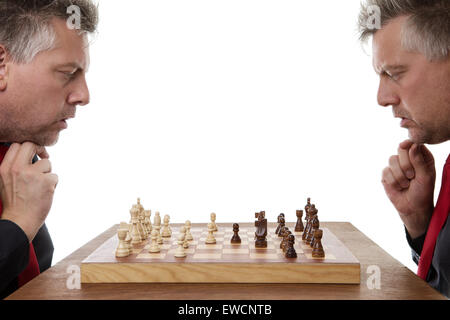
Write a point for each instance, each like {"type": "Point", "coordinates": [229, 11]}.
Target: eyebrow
{"type": "Point", "coordinates": [70, 64]}
{"type": "Point", "coordinates": [391, 67]}
{"type": "Point", "coordinates": [394, 67]}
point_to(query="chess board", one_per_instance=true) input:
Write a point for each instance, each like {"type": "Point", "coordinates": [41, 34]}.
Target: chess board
{"type": "Point", "coordinates": [223, 262]}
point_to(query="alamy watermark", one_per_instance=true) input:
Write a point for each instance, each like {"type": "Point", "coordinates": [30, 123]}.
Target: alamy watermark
{"type": "Point", "coordinates": [374, 19]}
{"type": "Point", "coordinates": [73, 282]}
{"type": "Point", "coordinates": [374, 278]}
{"type": "Point", "coordinates": [74, 20]}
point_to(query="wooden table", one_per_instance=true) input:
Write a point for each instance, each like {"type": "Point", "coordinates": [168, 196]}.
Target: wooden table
{"type": "Point", "coordinates": [397, 281]}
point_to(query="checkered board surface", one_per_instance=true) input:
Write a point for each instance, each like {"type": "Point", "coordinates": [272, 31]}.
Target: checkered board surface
{"type": "Point", "coordinates": [223, 250]}
{"type": "Point", "coordinates": [207, 256]}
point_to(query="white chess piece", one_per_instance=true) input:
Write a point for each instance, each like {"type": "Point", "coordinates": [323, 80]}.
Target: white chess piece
{"type": "Point", "coordinates": [187, 225]}
{"type": "Point", "coordinates": [157, 226]}
{"type": "Point", "coordinates": [210, 238]}
{"type": "Point", "coordinates": [179, 252]}
{"type": "Point", "coordinates": [213, 221]}
{"type": "Point", "coordinates": [186, 241]}
{"type": "Point", "coordinates": [141, 225]}
{"type": "Point", "coordinates": [166, 233]}
{"type": "Point", "coordinates": [157, 219]}
{"type": "Point", "coordinates": [148, 222]}
{"type": "Point", "coordinates": [124, 225]}
{"type": "Point", "coordinates": [154, 247]}
{"type": "Point", "coordinates": [135, 235]}
{"type": "Point", "coordinates": [122, 249]}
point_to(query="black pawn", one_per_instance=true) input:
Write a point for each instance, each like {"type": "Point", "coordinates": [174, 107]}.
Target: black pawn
{"type": "Point", "coordinates": [236, 238]}
{"type": "Point", "coordinates": [277, 230]}
{"type": "Point", "coordinates": [282, 224]}
{"type": "Point", "coordinates": [290, 252]}
{"type": "Point", "coordinates": [284, 242]}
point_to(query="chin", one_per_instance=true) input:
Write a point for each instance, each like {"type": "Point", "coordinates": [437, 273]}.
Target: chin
{"type": "Point", "coordinates": [46, 140]}
{"type": "Point", "coordinates": [422, 137]}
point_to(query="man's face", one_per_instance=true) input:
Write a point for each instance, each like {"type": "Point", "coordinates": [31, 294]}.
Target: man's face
{"type": "Point", "coordinates": [418, 90]}
{"type": "Point", "coordinates": [41, 95]}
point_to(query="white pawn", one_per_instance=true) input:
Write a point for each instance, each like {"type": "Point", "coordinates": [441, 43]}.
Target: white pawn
{"type": "Point", "coordinates": [210, 238]}
{"type": "Point", "coordinates": [154, 247]}
{"type": "Point", "coordinates": [179, 252]}
{"type": "Point", "coordinates": [186, 242]}
{"type": "Point", "coordinates": [157, 226]}
{"type": "Point", "coordinates": [166, 233]}
{"type": "Point", "coordinates": [160, 239]}
{"type": "Point", "coordinates": [187, 225]}
{"type": "Point", "coordinates": [124, 225]}
{"type": "Point", "coordinates": [157, 219]}
{"type": "Point", "coordinates": [213, 221]}
{"type": "Point", "coordinates": [122, 249]}
{"type": "Point", "coordinates": [128, 242]}
{"type": "Point", "coordinates": [148, 222]}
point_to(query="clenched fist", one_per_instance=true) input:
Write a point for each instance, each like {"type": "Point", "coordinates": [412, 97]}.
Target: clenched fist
{"type": "Point", "coordinates": [26, 189]}
{"type": "Point", "coordinates": [409, 183]}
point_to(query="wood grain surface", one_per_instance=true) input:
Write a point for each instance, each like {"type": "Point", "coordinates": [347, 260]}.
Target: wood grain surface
{"type": "Point", "coordinates": [396, 281]}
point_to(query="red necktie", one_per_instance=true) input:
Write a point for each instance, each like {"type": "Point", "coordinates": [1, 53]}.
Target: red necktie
{"type": "Point", "coordinates": [32, 270]}
{"type": "Point", "coordinates": [438, 219]}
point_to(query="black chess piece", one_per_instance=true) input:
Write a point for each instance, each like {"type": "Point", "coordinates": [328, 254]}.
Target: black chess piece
{"type": "Point", "coordinates": [282, 224]}
{"type": "Point", "coordinates": [283, 232]}
{"type": "Point", "coordinates": [307, 226]}
{"type": "Point", "coordinates": [290, 251]}
{"type": "Point", "coordinates": [299, 225]}
{"type": "Point", "coordinates": [314, 226]}
{"type": "Point", "coordinates": [235, 238]}
{"type": "Point", "coordinates": [308, 205]}
{"type": "Point", "coordinates": [284, 243]}
{"type": "Point", "coordinates": [261, 231]}
{"type": "Point", "coordinates": [277, 230]}
{"type": "Point", "coordinates": [317, 251]}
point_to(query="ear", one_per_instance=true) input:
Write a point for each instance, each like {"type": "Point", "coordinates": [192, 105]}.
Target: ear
{"type": "Point", "coordinates": [3, 68]}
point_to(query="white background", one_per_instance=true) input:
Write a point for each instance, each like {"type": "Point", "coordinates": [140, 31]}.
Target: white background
{"type": "Point", "coordinates": [230, 107]}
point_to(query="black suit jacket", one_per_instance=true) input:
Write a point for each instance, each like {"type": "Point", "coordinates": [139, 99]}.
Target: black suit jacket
{"type": "Point", "coordinates": [14, 254]}
{"type": "Point", "coordinates": [439, 274]}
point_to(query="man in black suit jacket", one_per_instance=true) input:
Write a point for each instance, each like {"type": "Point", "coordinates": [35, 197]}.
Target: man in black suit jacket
{"type": "Point", "coordinates": [411, 54]}
{"type": "Point", "coordinates": [43, 60]}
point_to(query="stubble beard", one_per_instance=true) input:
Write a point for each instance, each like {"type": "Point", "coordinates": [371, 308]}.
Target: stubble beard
{"type": "Point", "coordinates": [423, 135]}
{"type": "Point", "coordinates": [43, 137]}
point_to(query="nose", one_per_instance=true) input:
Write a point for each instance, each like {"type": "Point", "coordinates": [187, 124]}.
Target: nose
{"type": "Point", "coordinates": [80, 94]}
{"type": "Point", "coordinates": [386, 94]}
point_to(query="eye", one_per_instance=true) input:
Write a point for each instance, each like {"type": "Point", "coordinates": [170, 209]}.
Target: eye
{"type": "Point", "coordinates": [392, 76]}
{"type": "Point", "coordinates": [69, 74]}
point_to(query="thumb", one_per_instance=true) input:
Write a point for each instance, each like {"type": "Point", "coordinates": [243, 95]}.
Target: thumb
{"type": "Point", "coordinates": [422, 159]}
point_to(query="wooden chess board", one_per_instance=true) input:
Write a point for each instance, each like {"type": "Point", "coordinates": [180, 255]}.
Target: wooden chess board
{"type": "Point", "coordinates": [223, 262]}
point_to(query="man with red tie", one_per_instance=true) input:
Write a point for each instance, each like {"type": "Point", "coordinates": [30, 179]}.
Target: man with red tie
{"type": "Point", "coordinates": [43, 60]}
{"type": "Point", "coordinates": [411, 48]}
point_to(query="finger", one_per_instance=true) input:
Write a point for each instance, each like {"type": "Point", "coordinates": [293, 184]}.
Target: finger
{"type": "Point", "coordinates": [406, 144]}
{"type": "Point", "coordinates": [42, 152]}
{"type": "Point", "coordinates": [397, 172]}
{"type": "Point", "coordinates": [421, 159]}
{"type": "Point", "coordinates": [427, 156]}
{"type": "Point", "coordinates": [405, 162]}
{"type": "Point", "coordinates": [52, 180]}
{"type": "Point", "coordinates": [10, 156]}
{"type": "Point", "coordinates": [27, 152]}
{"type": "Point", "coordinates": [43, 166]}
{"type": "Point", "coordinates": [389, 181]}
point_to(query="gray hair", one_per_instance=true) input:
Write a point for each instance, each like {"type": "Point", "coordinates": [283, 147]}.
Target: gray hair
{"type": "Point", "coordinates": [25, 28]}
{"type": "Point", "coordinates": [427, 29]}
